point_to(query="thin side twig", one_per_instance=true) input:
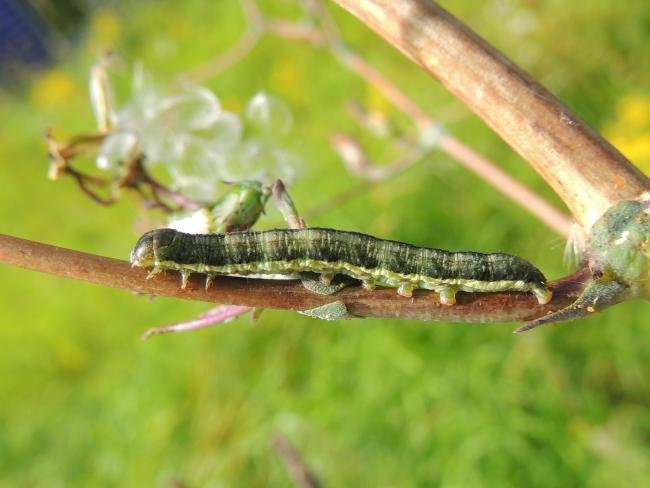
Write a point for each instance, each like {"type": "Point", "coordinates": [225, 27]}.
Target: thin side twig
{"type": "Point", "coordinates": [217, 315]}
{"type": "Point", "coordinates": [462, 153]}
{"type": "Point", "coordinates": [498, 178]}
{"type": "Point", "coordinates": [298, 470]}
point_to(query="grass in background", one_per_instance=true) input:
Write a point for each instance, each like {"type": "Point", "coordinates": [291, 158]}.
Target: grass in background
{"type": "Point", "coordinates": [366, 402]}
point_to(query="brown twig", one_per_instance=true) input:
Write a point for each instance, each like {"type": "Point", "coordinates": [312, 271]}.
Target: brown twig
{"type": "Point", "coordinates": [462, 153]}
{"type": "Point", "coordinates": [510, 187]}
{"type": "Point", "coordinates": [139, 177]}
{"type": "Point", "coordinates": [586, 171]}
{"type": "Point", "coordinates": [86, 181]}
{"type": "Point", "coordinates": [296, 31]}
{"type": "Point", "coordinates": [298, 470]}
{"type": "Point", "coordinates": [285, 294]}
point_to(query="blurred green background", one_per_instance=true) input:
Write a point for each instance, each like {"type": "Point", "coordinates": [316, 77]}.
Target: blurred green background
{"type": "Point", "coordinates": [84, 402]}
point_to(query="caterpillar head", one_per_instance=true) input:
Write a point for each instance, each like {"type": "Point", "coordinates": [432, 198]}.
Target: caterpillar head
{"type": "Point", "coordinates": [154, 247]}
{"type": "Point", "coordinates": [143, 254]}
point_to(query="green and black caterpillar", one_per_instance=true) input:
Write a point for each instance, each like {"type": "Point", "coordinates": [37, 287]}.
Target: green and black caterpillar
{"type": "Point", "coordinates": [329, 252]}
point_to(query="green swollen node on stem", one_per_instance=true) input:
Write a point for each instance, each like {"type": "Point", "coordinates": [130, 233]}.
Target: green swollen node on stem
{"type": "Point", "coordinates": [618, 258]}
{"type": "Point", "coordinates": [619, 246]}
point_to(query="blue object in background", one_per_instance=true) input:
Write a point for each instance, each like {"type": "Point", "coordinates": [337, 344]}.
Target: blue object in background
{"type": "Point", "coordinates": [23, 39]}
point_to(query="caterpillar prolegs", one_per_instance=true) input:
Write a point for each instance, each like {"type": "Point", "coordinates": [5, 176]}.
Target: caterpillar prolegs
{"type": "Point", "coordinates": [329, 252]}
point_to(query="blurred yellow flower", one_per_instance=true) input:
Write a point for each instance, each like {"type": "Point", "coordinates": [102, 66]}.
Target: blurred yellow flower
{"type": "Point", "coordinates": [105, 28]}
{"type": "Point", "coordinates": [630, 130]}
{"type": "Point", "coordinates": [180, 29]}
{"type": "Point", "coordinates": [378, 108]}
{"type": "Point", "coordinates": [286, 80]}
{"type": "Point", "coordinates": [231, 104]}
{"type": "Point", "coordinates": [70, 357]}
{"type": "Point", "coordinates": [376, 102]}
{"type": "Point", "coordinates": [635, 148]}
{"type": "Point", "coordinates": [52, 90]}
{"type": "Point", "coordinates": [634, 110]}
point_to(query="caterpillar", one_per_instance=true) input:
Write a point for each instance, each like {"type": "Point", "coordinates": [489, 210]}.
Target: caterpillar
{"type": "Point", "coordinates": [328, 252]}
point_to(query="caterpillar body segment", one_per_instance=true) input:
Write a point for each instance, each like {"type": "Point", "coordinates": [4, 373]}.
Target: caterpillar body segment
{"type": "Point", "coordinates": [330, 252]}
